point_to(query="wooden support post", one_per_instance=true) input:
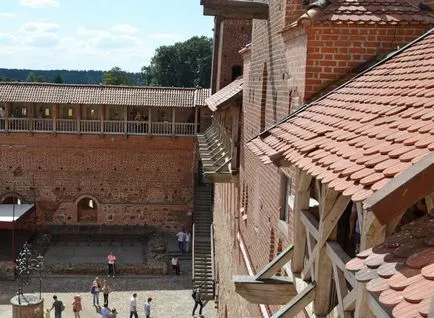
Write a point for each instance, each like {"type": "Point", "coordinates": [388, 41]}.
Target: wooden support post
{"type": "Point", "coordinates": [102, 109]}
{"type": "Point", "coordinates": [173, 120]}
{"type": "Point", "coordinates": [8, 110]}
{"type": "Point", "coordinates": [301, 202]}
{"type": "Point", "coordinates": [195, 119]}
{"type": "Point", "coordinates": [332, 206]}
{"type": "Point", "coordinates": [429, 200]}
{"type": "Point", "coordinates": [125, 119]}
{"type": "Point", "coordinates": [78, 108]}
{"type": "Point", "coordinates": [235, 137]}
{"type": "Point", "coordinates": [372, 233]}
{"type": "Point", "coordinates": [56, 116]}
{"type": "Point", "coordinates": [149, 120]}
{"type": "Point", "coordinates": [31, 115]}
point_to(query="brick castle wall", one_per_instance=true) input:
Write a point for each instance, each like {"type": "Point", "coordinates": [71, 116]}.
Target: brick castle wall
{"type": "Point", "coordinates": [134, 180]}
{"type": "Point", "coordinates": [280, 79]}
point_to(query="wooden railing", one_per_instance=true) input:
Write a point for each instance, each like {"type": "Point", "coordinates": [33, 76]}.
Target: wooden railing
{"type": "Point", "coordinates": [110, 127]}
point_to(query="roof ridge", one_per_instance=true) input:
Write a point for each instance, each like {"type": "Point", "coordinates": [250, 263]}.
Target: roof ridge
{"type": "Point", "coordinates": [102, 85]}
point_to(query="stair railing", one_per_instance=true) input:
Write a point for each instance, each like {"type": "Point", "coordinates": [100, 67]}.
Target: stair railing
{"type": "Point", "coordinates": [193, 237]}
{"type": "Point", "coordinates": [212, 258]}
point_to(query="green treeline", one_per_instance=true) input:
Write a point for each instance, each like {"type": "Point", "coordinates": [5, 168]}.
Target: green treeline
{"type": "Point", "coordinates": [59, 76]}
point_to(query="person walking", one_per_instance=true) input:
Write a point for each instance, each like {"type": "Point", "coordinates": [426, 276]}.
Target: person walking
{"type": "Point", "coordinates": [133, 306]}
{"type": "Point", "coordinates": [111, 260]}
{"type": "Point", "coordinates": [181, 238]}
{"type": "Point", "coordinates": [187, 242]}
{"type": "Point", "coordinates": [197, 301]}
{"type": "Point", "coordinates": [76, 306]}
{"type": "Point", "coordinates": [95, 288]}
{"type": "Point", "coordinates": [106, 290]}
{"type": "Point", "coordinates": [147, 308]}
{"type": "Point", "coordinates": [175, 265]}
{"type": "Point", "coordinates": [58, 307]}
{"type": "Point", "coordinates": [105, 312]}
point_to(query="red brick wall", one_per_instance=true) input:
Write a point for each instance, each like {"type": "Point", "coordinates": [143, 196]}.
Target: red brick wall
{"type": "Point", "coordinates": [289, 59]}
{"type": "Point", "coordinates": [234, 35]}
{"type": "Point", "coordinates": [134, 180]}
{"type": "Point", "coordinates": [337, 49]}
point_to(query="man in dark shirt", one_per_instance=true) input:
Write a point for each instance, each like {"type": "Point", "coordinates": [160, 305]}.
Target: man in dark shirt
{"type": "Point", "coordinates": [58, 307]}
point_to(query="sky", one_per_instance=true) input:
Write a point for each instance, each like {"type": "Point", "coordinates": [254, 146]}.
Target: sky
{"type": "Point", "coordinates": [94, 34]}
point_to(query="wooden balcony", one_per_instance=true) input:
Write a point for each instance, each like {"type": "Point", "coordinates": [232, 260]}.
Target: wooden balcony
{"type": "Point", "coordinates": [215, 154]}
{"type": "Point", "coordinates": [235, 9]}
{"type": "Point", "coordinates": [105, 127]}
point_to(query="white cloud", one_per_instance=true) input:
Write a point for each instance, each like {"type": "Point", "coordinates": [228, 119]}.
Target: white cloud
{"type": "Point", "coordinates": [125, 28]}
{"type": "Point", "coordinates": [104, 39]}
{"type": "Point", "coordinates": [39, 26]}
{"type": "Point", "coordinates": [164, 36]}
{"type": "Point", "coordinates": [42, 40]}
{"type": "Point", "coordinates": [40, 3]}
{"type": "Point", "coordinates": [7, 15]}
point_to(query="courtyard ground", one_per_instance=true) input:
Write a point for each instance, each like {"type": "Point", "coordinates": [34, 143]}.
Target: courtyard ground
{"type": "Point", "coordinates": [171, 294]}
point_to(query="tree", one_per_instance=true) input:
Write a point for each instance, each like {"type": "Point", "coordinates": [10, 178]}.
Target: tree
{"type": "Point", "coordinates": [32, 77]}
{"type": "Point", "coordinates": [116, 76]}
{"type": "Point", "coordinates": [57, 79]}
{"type": "Point", "coordinates": [184, 64]}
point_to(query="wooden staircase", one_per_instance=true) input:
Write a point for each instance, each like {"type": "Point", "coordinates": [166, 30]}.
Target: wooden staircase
{"type": "Point", "coordinates": [202, 254]}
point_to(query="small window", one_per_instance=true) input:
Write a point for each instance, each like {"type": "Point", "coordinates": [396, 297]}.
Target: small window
{"type": "Point", "coordinates": [70, 110]}
{"type": "Point", "coordinates": [287, 199]}
{"type": "Point", "coordinates": [24, 111]}
{"type": "Point", "coordinates": [47, 112]}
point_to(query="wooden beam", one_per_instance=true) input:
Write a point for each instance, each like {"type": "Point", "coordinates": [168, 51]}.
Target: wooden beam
{"type": "Point", "coordinates": [235, 137]}
{"type": "Point", "coordinates": [310, 222]}
{"type": "Point", "coordinates": [341, 291]}
{"type": "Point", "coordinates": [340, 258]}
{"type": "Point", "coordinates": [333, 206]}
{"type": "Point", "coordinates": [272, 291]}
{"type": "Point", "coordinates": [233, 9]}
{"type": "Point", "coordinates": [276, 264]}
{"type": "Point", "coordinates": [376, 308]}
{"type": "Point", "coordinates": [403, 190]}
{"type": "Point", "coordinates": [301, 202]}
{"type": "Point", "coordinates": [429, 200]}
{"type": "Point", "coordinates": [298, 303]}
{"type": "Point", "coordinates": [327, 224]}
{"type": "Point", "coordinates": [350, 300]}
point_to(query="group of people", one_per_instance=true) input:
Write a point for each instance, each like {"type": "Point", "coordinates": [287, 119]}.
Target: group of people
{"type": "Point", "coordinates": [133, 307]}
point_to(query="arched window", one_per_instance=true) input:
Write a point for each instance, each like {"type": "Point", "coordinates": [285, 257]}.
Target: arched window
{"type": "Point", "coordinates": [87, 210]}
{"type": "Point", "coordinates": [237, 70]}
{"type": "Point", "coordinates": [11, 199]}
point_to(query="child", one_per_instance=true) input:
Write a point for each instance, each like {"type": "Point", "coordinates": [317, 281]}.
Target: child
{"type": "Point", "coordinates": [76, 306]}
{"type": "Point", "coordinates": [47, 313]}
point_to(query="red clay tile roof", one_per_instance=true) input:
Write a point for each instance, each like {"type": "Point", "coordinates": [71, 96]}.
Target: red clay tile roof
{"type": "Point", "coordinates": [361, 135]}
{"type": "Point", "coordinates": [366, 12]}
{"type": "Point", "coordinates": [225, 94]}
{"type": "Point", "coordinates": [102, 94]}
{"type": "Point", "coordinates": [400, 271]}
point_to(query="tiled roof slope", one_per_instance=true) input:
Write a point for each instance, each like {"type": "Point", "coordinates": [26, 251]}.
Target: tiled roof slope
{"type": "Point", "coordinates": [100, 94]}
{"type": "Point", "coordinates": [400, 272]}
{"type": "Point", "coordinates": [225, 94]}
{"type": "Point", "coordinates": [201, 95]}
{"type": "Point", "coordinates": [373, 11]}
{"type": "Point", "coordinates": [361, 135]}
